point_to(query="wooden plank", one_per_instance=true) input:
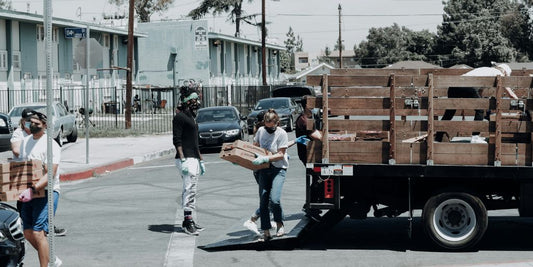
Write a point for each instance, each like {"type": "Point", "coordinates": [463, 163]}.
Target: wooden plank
{"type": "Point", "coordinates": [461, 126]}
{"type": "Point", "coordinates": [462, 103]}
{"type": "Point", "coordinates": [325, 122]}
{"type": "Point", "coordinates": [392, 121]}
{"type": "Point", "coordinates": [431, 121]}
{"type": "Point", "coordinates": [498, 135]}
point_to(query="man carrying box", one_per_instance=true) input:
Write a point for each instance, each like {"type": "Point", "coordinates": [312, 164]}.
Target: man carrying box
{"type": "Point", "coordinates": [34, 211]}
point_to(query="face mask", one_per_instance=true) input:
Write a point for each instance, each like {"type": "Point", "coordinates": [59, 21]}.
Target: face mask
{"type": "Point", "coordinates": [270, 129]}
{"type": "Point", "coordinates": [27, 125]}
{"type": "Point", "coordinates": [35, 129]}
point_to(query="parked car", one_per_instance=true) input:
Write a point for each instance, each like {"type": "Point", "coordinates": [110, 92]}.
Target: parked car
{"type": "Point", "coordinates": [295, 92]}
{"type": "Point", "coordinates": [6, 130]}
{"type": "Point", "coordinates": [286, 108]}
{"type": "Point", "coordinates": [12, 247]}
{"type": "Point", "coordinates": [218, 125]}
{"type": "Point", "coordinates": [64, 121]}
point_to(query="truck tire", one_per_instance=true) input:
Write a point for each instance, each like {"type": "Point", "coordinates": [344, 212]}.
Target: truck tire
{"type": "Point", "coordinates": [455, 221]}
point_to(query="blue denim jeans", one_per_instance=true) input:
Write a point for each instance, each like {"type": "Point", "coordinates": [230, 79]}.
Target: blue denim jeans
{"type": "Point", "coordinates": [271, 182]}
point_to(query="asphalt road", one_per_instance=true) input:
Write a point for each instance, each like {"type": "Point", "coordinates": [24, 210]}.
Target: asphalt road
{"type": "Point", "coordinates": [132, 217]}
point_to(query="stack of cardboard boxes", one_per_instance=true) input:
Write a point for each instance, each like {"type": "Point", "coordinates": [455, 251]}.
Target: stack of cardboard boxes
{"type": "Point", "coordinates": [17, 176]}
{"type": "Point", "coordinates": [243, 153]}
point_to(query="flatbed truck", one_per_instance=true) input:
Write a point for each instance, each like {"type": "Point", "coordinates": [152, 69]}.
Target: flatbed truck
{"type": "Point", "coordinates": [388, 161]}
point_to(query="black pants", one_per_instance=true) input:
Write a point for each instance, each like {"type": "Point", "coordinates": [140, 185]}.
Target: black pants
{"type": "Point", "coordinates": [460, 92]}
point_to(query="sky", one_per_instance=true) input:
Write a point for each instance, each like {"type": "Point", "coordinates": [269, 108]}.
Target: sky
{"type": "Point", "coordinates": [315, 21]}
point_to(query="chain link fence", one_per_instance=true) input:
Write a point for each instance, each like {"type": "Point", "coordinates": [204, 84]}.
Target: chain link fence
{"type": "Point", "coordinates": [152, 108]}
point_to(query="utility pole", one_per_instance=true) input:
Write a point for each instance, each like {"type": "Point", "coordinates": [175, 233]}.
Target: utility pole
{"type": "Point", "coordinates": [129, 63]}
{"type": "Point", "coordinates": [263, 48]}
{"type": "Point", "coordinates": [340, 38]}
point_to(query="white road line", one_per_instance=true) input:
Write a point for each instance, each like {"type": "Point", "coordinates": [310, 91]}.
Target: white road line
{"type": "Point", "coordinates": [180, 251]}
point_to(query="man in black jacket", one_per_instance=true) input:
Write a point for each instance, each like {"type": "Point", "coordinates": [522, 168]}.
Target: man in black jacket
{"type": "Point", "coordinates": [188, 158]}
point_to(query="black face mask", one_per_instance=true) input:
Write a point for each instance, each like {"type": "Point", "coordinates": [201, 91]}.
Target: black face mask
{"type": "Point", "coordinates": [35, 129]}
{"type": "Point", "coordinates": [270, 129]}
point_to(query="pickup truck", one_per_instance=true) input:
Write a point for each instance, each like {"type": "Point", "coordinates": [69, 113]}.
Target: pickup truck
{"type": "Point", "coordinates": [378, 151]}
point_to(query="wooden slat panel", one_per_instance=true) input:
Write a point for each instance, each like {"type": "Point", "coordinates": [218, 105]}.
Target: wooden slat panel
{"type": "Point", "coordinates": [461, 126]}
{"type": "Point", "coordinates": [462, 103]}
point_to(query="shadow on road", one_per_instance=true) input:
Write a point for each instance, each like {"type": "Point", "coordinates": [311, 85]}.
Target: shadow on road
{"type": "Point", "coordinates": [503, 234]}
{"type": "Point", "coordinates": [165, 228]}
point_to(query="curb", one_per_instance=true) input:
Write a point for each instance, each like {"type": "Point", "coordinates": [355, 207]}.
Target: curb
{"type": "Point", "coordinates": [120, 164]}
{"type": "Point", "coordinates": [73, 176]}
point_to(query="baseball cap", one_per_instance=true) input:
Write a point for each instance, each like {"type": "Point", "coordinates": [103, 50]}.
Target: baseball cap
{"type": "Point", "coordinates": [26, 113]}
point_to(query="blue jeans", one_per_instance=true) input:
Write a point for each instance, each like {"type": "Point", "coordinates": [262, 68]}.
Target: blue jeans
{"type": "Point", "coordinates": [270, 185]}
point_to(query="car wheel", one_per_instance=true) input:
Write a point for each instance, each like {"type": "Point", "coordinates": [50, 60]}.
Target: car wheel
{"type": "Point", "coordinates": [59, 137]}
{"type": "Point", "coordinates": [290, 125]}
{"type": "Point", "coordinates": [73, 136]}
{"type": "Point", "coordinates": [455, 220]}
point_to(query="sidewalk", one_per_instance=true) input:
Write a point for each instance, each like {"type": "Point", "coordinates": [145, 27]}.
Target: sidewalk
{"type": "Point", "coordinates": [108, 154]}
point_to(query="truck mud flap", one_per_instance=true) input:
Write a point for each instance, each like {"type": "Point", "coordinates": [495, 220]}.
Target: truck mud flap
{"type": "Point", "coordinates": [240, 238]}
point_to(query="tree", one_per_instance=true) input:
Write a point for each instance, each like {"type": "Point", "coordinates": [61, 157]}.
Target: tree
{"type": "Point", "coordinates": [5, 4]}
{"type": "Point", "coordinates": [293, 44]}
{"type": "Point", "coordinates": [388, 45]}
{"type": "Point", "coordinates": [146, 8]}
{"type": "Point", "coordinates": [233, 7]}
{"type": "Point", "coordinates": [472, 32]}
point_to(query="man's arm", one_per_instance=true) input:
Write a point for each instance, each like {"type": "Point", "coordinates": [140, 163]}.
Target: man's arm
{"type": "Point", "coordinates": [511, 93]}
{"type": "Point", "coordinates": [43, 181]}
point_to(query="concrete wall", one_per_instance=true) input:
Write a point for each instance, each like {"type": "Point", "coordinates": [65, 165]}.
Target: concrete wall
{"type": "Point", "coordinates": [173, 45]}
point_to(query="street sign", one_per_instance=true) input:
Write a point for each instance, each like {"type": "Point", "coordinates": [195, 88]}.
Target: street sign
{"type": "Point", "coordinates": [75, 32]}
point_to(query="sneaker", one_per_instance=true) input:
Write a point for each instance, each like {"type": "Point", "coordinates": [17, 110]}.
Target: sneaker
{"type": "Point", "coordinates": [58, 262]}
{"type": "Point", "coordinates": [265, 237]}
{"type": "Point", "coordinates": [60, 231]}
{"type": "Point", "coordinates": [252, 226]}
{"type": "Point", "coordinates": [476, 139]}
{"type": "Point", "coordinates": [273, 225]}
{"type": "Point", "coordinates": [198, 227]}
{"type": "Point", "coordinates": [189, 227]}
{"type": "Point", "coordinates": [281, 231]}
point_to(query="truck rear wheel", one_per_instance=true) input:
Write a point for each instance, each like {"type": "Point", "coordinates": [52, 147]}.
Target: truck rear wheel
{"type": "Point", "coordinates": [455, 220]}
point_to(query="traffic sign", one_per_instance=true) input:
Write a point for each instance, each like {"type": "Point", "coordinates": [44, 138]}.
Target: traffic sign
{"type": "Point", "coordinates": [75, 32]}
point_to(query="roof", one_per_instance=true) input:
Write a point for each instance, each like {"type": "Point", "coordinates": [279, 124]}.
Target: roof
{"type": "Point", "coordinates": [38, 19]}
{"type": "Point", "coordinates": [309, 70]}
{"type": "Point", "coordinates": [412, 64]}
{"type": "Point", "coordinates": [213, 35]}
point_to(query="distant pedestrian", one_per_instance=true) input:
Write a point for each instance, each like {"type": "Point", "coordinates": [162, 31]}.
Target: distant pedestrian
{"type": "Point", "coordinates": [188, 158]}
{"type": "Point", "coordinates": [34, 211]}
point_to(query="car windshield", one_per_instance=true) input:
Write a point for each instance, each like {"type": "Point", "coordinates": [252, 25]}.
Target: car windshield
{"type": "Point", "coordinates": [17, 111]}
{"type": "Point", "coordinates": [215, 115]}
{"type": "Point", "coordinates": [265, 104]}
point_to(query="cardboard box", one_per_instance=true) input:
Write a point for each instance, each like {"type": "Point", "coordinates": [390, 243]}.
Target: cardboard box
{"type": "Point", "coordinates": [21, 166]}
{"type": "Point", "coordinates": [13, 195]}
{"type": "Point", "coordinates": [243, 153]}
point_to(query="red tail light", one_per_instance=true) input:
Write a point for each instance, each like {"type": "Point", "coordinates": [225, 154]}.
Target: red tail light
{"type": "Point", "coordinates": [328, 188]}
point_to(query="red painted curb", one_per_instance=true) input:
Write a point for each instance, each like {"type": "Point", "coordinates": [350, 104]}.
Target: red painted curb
{"type": "Point", "coordinates": [96, 170]}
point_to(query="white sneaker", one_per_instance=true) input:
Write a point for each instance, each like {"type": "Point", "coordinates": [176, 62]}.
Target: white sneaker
{"type": "Point", "coordinates": [476, 139]}
{"type": "Point", "coordinates": [280, 232]}
{"type": "Point", "coordinates": [273, 225]}
{"type": "Point", "coordinates": [251, 226]}
{"type": "Point", "coordinates": [58, 262]}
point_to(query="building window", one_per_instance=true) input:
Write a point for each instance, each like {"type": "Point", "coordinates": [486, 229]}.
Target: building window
{"type": "Point", "coordinates": [55, 35]}
{"type": "Point", "coordinates": [3, 60]}
{"type": "Point", "coordinates": [15, 60]}
{"type": "Point", "coordinates": [40, 33]}
{"type": "Point", "coordinates": [107, 41]}
{"type": "Point", "coordinates": [303, 60]}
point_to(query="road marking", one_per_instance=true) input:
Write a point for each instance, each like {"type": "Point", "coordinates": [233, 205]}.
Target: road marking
{"type": "Point", "coordinates": [180, 251]}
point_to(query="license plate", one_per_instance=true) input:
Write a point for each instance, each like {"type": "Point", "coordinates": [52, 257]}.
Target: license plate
{"type": "Point", "coordinates": [211, 141]}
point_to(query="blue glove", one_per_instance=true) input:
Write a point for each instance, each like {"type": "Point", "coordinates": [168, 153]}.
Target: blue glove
{"type": "Point", "coordinates": [260, 160]}
{"type": "Point", "coordinates": [302, 140]}
{"type": "Point", "coordinates": [202, 167]}
{"type": "Point", "coordinates": [184, 167]}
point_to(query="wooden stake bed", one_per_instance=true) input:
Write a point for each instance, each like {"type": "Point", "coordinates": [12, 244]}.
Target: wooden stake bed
{"type": "Point", "coordinates": [402, 110]}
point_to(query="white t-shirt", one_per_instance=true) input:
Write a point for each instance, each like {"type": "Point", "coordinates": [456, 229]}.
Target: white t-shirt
{"type": "Point", "coordinates": [36, 149]}
{"type": "Point", "coordinates": [18, 136]}
{"type": "Point", "coordinates": [273, 142]}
